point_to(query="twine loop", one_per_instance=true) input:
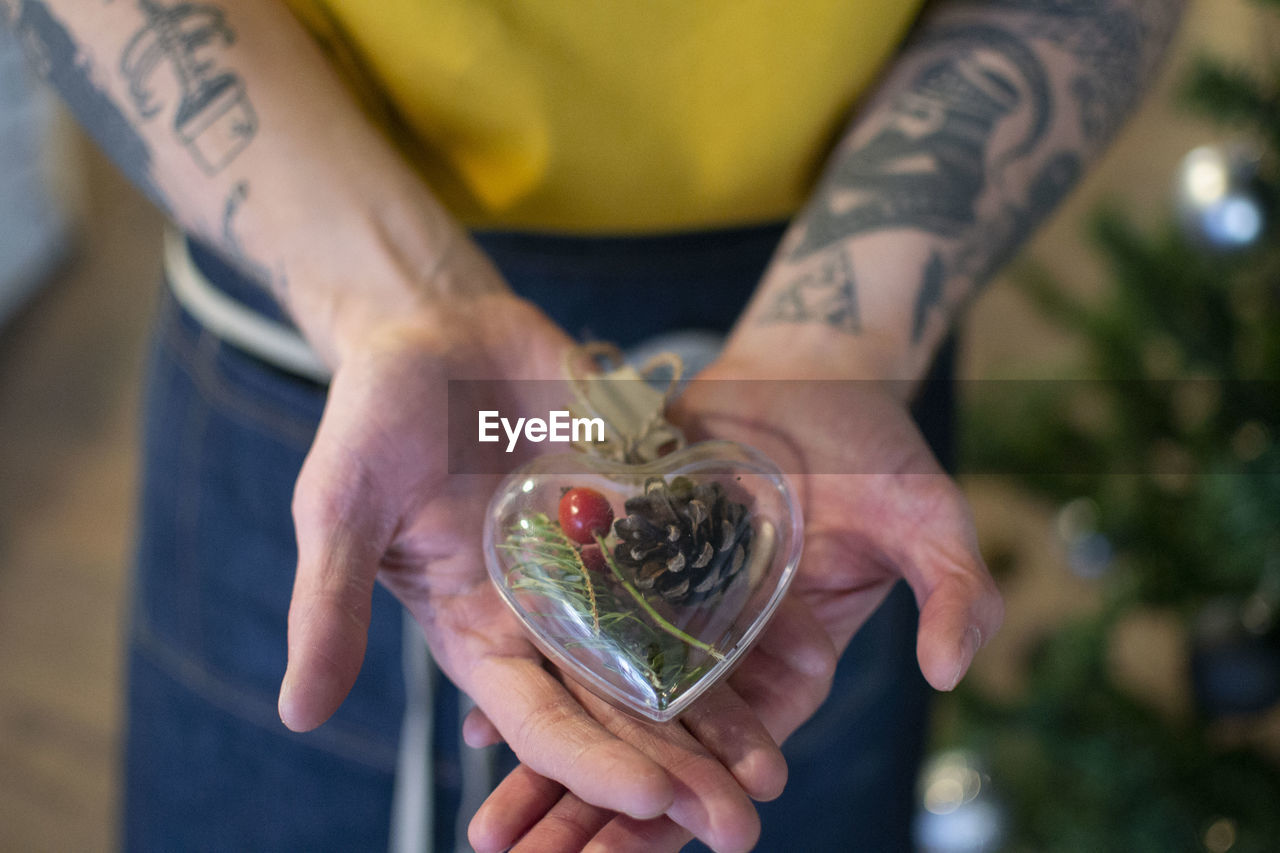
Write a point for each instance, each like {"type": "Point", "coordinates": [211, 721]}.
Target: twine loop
{"type": "Point", "coordinates": [626, 399]}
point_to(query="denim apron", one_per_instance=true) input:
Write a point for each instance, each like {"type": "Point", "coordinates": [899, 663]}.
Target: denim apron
{"type": "Point", "coordinates": [209, 766]}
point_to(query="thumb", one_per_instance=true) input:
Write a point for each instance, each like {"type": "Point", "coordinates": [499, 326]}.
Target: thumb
{"type": "Point", "coordinates": [960, 607]}
{"type": "Point", "coordinates": [960, 613]}
{"type": "Point", "coordinates": [342, 536]}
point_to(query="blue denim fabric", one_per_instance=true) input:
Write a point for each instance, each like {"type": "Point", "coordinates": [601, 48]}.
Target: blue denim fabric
{"type": "Point", "coordinates": [208, 764]}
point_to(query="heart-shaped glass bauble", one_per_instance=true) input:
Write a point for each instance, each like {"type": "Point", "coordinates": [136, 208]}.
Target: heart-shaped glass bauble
{"type": "Point", "coordinates": [646, 583]}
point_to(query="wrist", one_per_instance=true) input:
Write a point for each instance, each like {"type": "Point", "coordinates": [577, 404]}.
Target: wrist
{"type": "Point", "coordinates": [348, 237]}
{"type": "Point", "coordinates": [789, 351]}
{"type": "Point", "coordinates": [851, 310]}
{"type": "Point", "coordinates": [383, 274]}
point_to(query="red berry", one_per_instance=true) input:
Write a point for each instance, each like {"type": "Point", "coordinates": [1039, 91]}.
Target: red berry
{"type": "Point", "coordinates": [593, 559]}
{"type": "Point", "coordinates": [584, 513]}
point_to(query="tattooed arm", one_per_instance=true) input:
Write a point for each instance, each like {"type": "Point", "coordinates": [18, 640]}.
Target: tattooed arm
{"type": "Point", "coordinates": [987, 119]}
{"type": "Point", "coordinates": [228, 116]}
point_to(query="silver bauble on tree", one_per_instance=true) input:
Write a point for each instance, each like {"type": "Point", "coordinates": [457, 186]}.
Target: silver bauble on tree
{"type": "Point", "coordinates": [959, 812]}
{"type": "Point", "coordinates": [1089, 552]}
{"type": "Point", "coordinates": [1235, 651]}
{"type": "Point", "coordinates": [1219, 197]}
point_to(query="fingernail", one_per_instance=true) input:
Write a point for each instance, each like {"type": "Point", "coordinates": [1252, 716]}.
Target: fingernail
{"type": "Point", "coordinates": [284, 705]}
{"type": "Point", "coordinates": [968, 648]}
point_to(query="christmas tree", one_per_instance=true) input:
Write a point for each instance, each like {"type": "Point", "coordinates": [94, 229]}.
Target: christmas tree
{"type": "Point", "coordinates": [1167, 467]}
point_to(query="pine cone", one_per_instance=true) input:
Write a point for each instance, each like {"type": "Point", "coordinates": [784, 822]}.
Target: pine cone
{"type": "Point", "coordinates": [682, 541]}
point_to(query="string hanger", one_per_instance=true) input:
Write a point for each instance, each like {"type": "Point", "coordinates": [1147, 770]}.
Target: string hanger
{"type": "Point", "coordinates": [628, 401]}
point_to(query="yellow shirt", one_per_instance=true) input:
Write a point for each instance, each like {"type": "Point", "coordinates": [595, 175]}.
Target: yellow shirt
{"type": "Point", "coordinates": [598, 116]}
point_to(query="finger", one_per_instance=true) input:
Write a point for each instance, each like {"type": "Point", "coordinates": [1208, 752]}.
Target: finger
{"type": "Point", "coordinates": [520, 802]}
{"type": "Point", "coordinates": [960, 613]}
{"type": "Point", "coordinates": [549, 731]}
{"type": "Point", "coordinates": [960, 607]}
{"type": "Point", "coordinates": [800, 661]}
{"type": "Point", "coordinates": [626, 835]}
{"type": "Point", "coordinates": [708, 800]}
{"type": "Point", "coordinates": [734, 734]}
{"type": "Point", "coordinates": [796, 638]}
{"type": "Point", "coordinates": [568, 826]}
{"type": "Point", "coordinates": [724, 724]}
{"type": "Point", "coordinates": [788, 673]}
{"type": "Point", "coordinates": [341, 537]}
{"type": "Point", "coordinates": [478, 732]}
{"type": "Point", "coordinates": [713, 808]}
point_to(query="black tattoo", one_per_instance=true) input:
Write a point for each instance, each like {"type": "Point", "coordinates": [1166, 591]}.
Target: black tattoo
{"type": "Point", "coordinates": [58, 59]}
{"type": "Point", "coordinates": [1108, 39]}
{"type": "Point", "coordinates": [214, 118]}
{"type": "Point", "coordinates": [948, 155]}
{"type": "Point", "coordinates": [239, 195]}
{"type": "Point", "coordinates": [1010, 228]}
{"type": "Point", "coordinates": [827, 295]}
{"type": "Point", "coordinates": [930, 296]}
{"type": "Point", "coordinates": [927, 166]}
{"type": "Point", "coordinates": [1117, 43]}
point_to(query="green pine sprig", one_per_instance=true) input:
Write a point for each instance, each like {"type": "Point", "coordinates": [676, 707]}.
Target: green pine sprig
{"type": "Point", "coordinates": [648, 608]}
{"type": "Point", "coordinates": [550, 566]}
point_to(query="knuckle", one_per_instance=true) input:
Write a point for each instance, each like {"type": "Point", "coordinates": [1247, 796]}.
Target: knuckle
{"type": "Point", "coordinates": [544, 723]}
{"type": "Point", "coordinates": [331, 486]}
{"type": "Point", "coordinates": [943, 499]}
{"type": "Point", "coordinates": [820, 687]}
{"type": "Point", "coordinates": [828, 659]}
{"type": "Point", "coordinates": [561, 830]}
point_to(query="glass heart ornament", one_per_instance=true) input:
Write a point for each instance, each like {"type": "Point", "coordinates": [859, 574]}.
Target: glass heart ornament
{"type": "Point", "coordinates": [647, 583]}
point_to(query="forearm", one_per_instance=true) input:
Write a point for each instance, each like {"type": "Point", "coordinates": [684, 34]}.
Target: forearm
{"type": "Point", "coordinates": [982, 126]}
{"type": "Point", "coordinates": [228, 116]}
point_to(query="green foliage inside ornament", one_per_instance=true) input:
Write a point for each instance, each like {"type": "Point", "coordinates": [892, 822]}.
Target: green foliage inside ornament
{"type": "Point", "coordinates": [622, 620]}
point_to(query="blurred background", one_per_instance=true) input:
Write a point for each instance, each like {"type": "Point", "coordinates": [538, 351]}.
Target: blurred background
{"type": "Point", "coordinates": [1130, 702]}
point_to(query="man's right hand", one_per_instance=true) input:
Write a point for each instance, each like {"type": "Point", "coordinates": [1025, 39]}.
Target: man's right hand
{"type": "Point", "coordinates": [376, 501]}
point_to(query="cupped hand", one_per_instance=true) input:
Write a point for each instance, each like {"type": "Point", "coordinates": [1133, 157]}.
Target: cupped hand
{"type": "Point", "coordinates": [877, 508]}
{"type": "Point", "coordinates": [383, 497]}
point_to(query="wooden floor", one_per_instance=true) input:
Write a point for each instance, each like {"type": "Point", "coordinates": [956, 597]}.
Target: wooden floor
{"type": "Point", "coordinates": [69, 389]}
{"type": "Point", "coordinates": [69, 367]}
